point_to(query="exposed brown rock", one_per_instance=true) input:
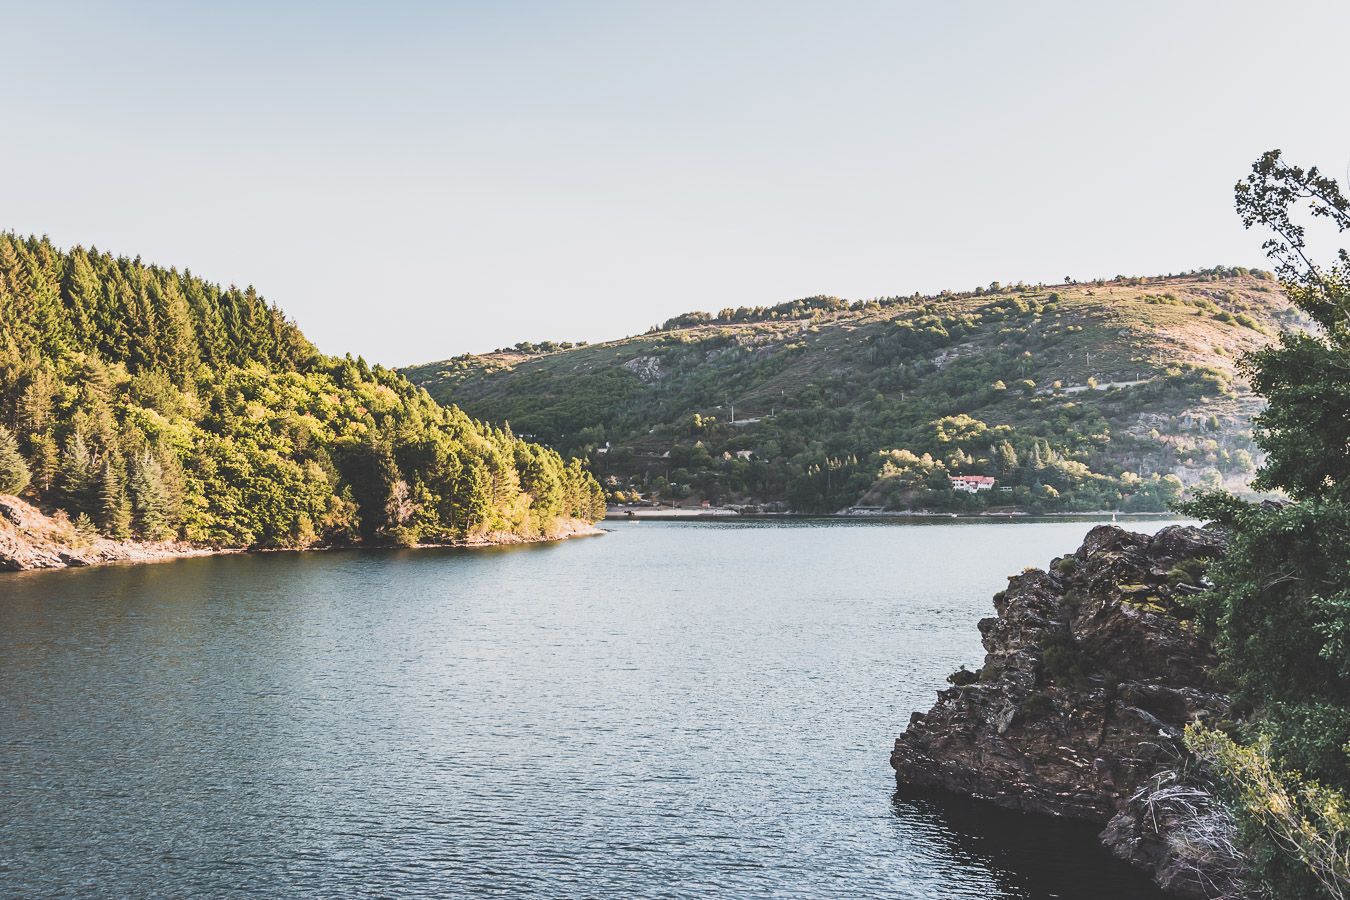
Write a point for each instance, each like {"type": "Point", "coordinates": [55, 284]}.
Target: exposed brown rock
{"type": "Point", "coordinates": [30, 539]}
{"type": "Point", "coordinates": [1092, 671]}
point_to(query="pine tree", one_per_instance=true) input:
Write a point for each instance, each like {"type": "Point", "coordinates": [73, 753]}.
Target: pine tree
{"type": "Point", "coordinates": [473, 496]}
{"type": "Point", "coordinates": [1036, 462]}
{"type": "Point", "coordinates": [150, 503]}
{"type": "Point", "coordinates": [40, 290]}
{"type": "Point", "coordinates": [204, 304]}
{"type": "Point", "coordinates": [177, 353]}
{"type": "Point", "coordinates": [77, 477]}
{"type": "Point", "coordinates": [142, 327]}
{"type": "Point", "coordinates": [84, 297]}
{"type": "Point", "coordinates": [1005, 456]}
{"type": "Point", "coordinates": [43, 461]}
{"type": "Point", "coordinates": [14, 473]}
{"type": "Point", "coordinates": [33, 412]}
{"type": "Point", "coordinates": [114, 503]}
{"type": "Point", "coordinates": [84, 526]}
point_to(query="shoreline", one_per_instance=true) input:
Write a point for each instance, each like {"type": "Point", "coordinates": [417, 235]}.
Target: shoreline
{"type": "Point", "coordinates": [724, 514]}
{"type": "Point", "coordinates": [31, 541]}
{"type": "Point", "coordinates": [1030, 733]}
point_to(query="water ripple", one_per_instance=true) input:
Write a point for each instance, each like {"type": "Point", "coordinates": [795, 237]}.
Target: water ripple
{"type": "Point", "coordinates": [674, 710]}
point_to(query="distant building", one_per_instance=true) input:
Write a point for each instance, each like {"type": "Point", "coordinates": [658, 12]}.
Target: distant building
{"type": "Point", "coordinates": [972, 484]}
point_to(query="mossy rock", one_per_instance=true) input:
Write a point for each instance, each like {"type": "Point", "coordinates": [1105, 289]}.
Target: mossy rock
{"type": "Point", "coordinates": [1066, 565]}
{"type": "Point", "coordinates": [1036, 706]}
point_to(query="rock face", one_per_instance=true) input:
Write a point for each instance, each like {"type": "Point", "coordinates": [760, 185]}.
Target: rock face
{"type": "Point", "coordinates": [30, 539]}
{"type": "Point", "coordinates": [1091, 673]}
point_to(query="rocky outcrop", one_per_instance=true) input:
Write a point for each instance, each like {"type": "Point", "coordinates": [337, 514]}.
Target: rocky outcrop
{"type": "Point", "coordinates": [1092, 671]}
{"type": "Point", "coordinates": [30, 539]}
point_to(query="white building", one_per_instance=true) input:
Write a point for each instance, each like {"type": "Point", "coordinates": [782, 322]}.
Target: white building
{"type": "Point", "coordinates": [972, 484]}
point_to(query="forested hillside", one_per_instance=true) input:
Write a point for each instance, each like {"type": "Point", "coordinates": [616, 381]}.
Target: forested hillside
{"type": "Point", "coordinates": [147, 402]}
{"type": "Point", "coordinates": [1110, 394]}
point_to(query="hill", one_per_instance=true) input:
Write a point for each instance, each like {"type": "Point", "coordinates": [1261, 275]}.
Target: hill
{"type": "Point", "coordinates": [1112, 394]}
{"type": "Point", "coordinates": [146, 402]}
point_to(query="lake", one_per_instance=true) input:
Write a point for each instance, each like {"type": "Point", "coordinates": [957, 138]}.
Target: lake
{"type": "Point", "coordinates": [671, 709]}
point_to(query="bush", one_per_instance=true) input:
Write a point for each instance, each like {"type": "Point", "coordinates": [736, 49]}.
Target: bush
{"type": "Point", "coordinates": [1061, 660]}
{"type": "Point", "coordinates": [962, 677]}
{"type": "Point", "coordinates": [1303, 827]}
{"type": "Point", "coordinates": [1036, 706]}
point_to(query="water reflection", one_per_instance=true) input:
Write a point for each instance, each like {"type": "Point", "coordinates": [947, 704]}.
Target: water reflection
{"type": "Point", "coordinates": [1028, 856]}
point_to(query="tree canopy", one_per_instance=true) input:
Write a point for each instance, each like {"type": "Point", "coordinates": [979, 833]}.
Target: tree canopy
{"type": "Point", "coordinates": [160, 405]}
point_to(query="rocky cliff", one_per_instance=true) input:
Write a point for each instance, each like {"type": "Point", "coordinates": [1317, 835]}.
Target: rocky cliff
{"type": "Point", "coordinates": [1093, 669]}
{"type": "Point", "coordinates": [30, 539]}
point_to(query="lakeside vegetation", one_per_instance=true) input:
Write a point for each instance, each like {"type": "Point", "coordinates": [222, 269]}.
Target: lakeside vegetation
{"type": "Point", "coordinates": [144, 401]}
{"type": "Point", "coordinates": [1110, 394]}
{"type": "Point", "coordinates": [1279, 605]}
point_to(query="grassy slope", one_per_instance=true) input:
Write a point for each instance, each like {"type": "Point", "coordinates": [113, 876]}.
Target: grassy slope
{"type": "Point", "coordinates": [871, 377]}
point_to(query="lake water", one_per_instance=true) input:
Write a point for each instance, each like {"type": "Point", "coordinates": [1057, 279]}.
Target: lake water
{"type": "Point", "coordinates": [672, 709]}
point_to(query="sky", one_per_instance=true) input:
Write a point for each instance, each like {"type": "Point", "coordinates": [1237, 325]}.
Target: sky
{"type": "Point", "coordinates": [412, 181]}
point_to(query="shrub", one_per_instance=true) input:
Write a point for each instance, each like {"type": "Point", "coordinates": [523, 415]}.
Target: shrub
{"type": "Point", "coordinates": [962, 677]}
{"type": "Point", "coordinates": [1061, 660]}
{"type": "Point", "coordinates": [1036, 706]}
{"type": "Point", "coordinates": [1301, 820]}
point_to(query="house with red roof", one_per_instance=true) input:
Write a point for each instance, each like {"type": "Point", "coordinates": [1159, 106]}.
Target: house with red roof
{"type": "Point", "coordinates": [972, 484]}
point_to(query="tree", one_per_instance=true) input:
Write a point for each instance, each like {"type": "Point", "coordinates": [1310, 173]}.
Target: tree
{"type": "Point", "coordinates": [1005, 458]}
{"type": "Point", "coordinates": [114, 504]}
{"type": "Point", "coordinates": [473, 497]}
{"type": "Point", "coordinates": [151, 506]}
{"type": "Point", "coordinates": [14, 474]}
{"type": "Point", "coordinates": [207, 412]}
{"type": "Point", "coordinates": [1280, 605]}
{"type": "Point", "coordinates": [77, 477]}
{"type": "Point", "coordinates": [84, 294]}
{"type": "Point", "coordinates": [33, 412]}
{"type": "Point", "coordinates": [44, 461]}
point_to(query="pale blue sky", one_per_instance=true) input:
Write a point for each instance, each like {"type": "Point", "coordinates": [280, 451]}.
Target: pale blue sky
{"type": "Point", "coordinates": [411, 181]}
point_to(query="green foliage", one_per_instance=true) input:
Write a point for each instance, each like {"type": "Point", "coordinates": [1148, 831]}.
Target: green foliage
{"type": "Point", "coordinates": [77, 477]}
{"type": "Point", "coordinates": [1300, 828]}
{"type": "Point", "coordinates": [154, 508]}
{"type": "Point", "coordinates": [114, 501]}
{"type": "Point", "coordinates": [1280, 604]}
{"type": "Point", "coordinates": [1062, 660]}
{"type": "Point", "coordinates": [962, 677]}
{"type": "Point", "coordinates": [1280, 610]}
{"type": "Point", "coordinates": [1066, 565]}
{"type": "Point", "coordinates": [158, 405]}
{"type": "Point", "coordinates": [14, 474]}
{"type": "Point", "coordinates": [820, 392]}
